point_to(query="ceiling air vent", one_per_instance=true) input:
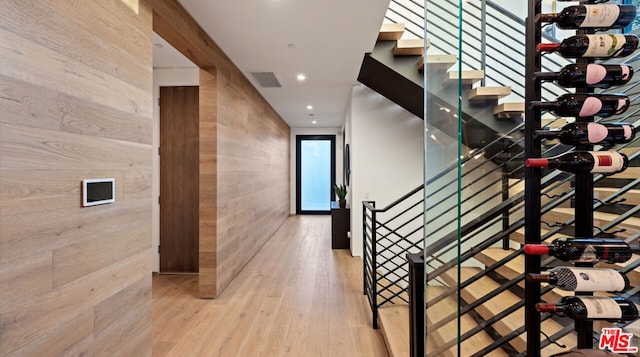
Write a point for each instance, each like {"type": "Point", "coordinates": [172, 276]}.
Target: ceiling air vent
{"type": "Point", "coordinates": [266, 79]}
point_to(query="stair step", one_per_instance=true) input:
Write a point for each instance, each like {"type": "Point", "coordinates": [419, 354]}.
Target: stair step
{"type": "Point", "coordinates": [632, 197]}
{"type": "Point", "coordinates": [508, 110]}
{"type": "Point", "coordinates": [518, 236]}
{"type": "Point", "coordinates": [409, 47]}
{"type": "Point", "coordinates": [468, 77]}
{"type": "Point", "coordinates": [497, 304]}
{"type": "Point", "coordinates": [391, 32]}
{"type": "Point", "coordinates": [438, 62]}
{"type": "Point", "coordinates": [552, 122]}
{"type": "Point", "coordinates": [562, 215]}
{"type": "Point", "coordinates": [489, 93]}
{"type": "Point", "coordinates": [394, 323]}
{"type": "Point", "coordinates": [513, 268]}
{"type": "Point", "coordinates": [442, 335]}
{"type": "Point", "coordinates": [509, 270]}
{"type": "Point", "coordinates": [632, 173]}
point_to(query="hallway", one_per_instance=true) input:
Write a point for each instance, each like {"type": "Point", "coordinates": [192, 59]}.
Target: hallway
{"type": "Point", "coordinates": [296, 297]}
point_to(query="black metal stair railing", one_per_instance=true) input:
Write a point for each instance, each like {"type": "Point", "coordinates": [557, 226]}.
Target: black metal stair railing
{"type": "Point", "coordinates": [468, 232]}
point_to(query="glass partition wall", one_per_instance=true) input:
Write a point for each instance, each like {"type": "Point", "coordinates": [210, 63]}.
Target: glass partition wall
{"type": "Point", "coordinates": [442, 174]}
{"type": "Point", "coordinates": [474, 98]}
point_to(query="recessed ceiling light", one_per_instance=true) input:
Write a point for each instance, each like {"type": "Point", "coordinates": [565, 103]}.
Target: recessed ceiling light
{"type": "Point", "coordinates": [312, 115]}
{"type": "Point", "coordinates": [309, 107]}
{"type": "Point", "coordinates": [313, 122]}
{"type": "Point", "coordinates": [158, 45]}
{"type": "Point", "coordinates": [291, 45]}
{"type": "Point", "coordinates": [301, 77]}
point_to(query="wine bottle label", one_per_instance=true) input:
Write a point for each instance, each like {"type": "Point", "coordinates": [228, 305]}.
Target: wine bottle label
{"type": "Point", "coordinates": [607, 162]}
{"type": "Point", "coordinates": [597, 132]}
{"type": "Point", "coordinates": [589, 279]}
{"type": "Point", "coordinates": [602, 307]}
{"type": "Point", "coordinates": [595, 73]}
{"type": "Point", "coordinates": [628, 133]}
{"type": "Point", "coordinates": [590, 107]}
{"type": "Point", "coordinates": [622, 106]}
{"type": "Point", "coordinates": [604, 45]}
{"type": "Point", "coordinates": [626, 72]}
{"type": "Point", "coordinates": [601, 15]}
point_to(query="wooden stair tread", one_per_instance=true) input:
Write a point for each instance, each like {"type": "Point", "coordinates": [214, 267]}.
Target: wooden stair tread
{"type": "Point", "coordinates": [632, 172]}
{"type": "Point", "coordinates": [509, 270]}
{"type": "Point", "coordinates": [509, 109]}
{"type": "Point", "coordinates": [561, 214]}
{"type": "Point", "coordinates": [489, 93]}
{"type": "Point", "coordinates": [391, 32]}
{"type": "Point", "coordinates": [467, 77]}
{"type": "Point", "coordinates": [513, 268]}
{"type": "Point", "coordinates": [629, 150]}
{"type": "Point", "coordinates": [632, 197]}
{"type": "Point", "coordinates": [437, 62]}
{"type": "Point", "coordinates": [497, 304]}
{"type": "Point", "coordinates": [518, 236]}
{"type": "Point", "coordinates": [394, 322]}
{"type": "Point", "coordinates": [410, 47]}
{"type": "Point", "coordinates": [553, 122]}
{"type": "Point", "coordinates": [445, 308]}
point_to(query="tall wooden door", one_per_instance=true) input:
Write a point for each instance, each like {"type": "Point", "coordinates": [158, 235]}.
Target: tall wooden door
{"type": "Point", "coordinates": [179, 160]}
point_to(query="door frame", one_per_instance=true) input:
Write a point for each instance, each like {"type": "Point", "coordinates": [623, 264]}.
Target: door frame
{"type": "Point", "coordinates": [299, 139]}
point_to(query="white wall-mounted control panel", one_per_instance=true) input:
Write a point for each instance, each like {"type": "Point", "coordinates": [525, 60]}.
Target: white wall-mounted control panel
{"type": "Point", "coordinates": [98, 191]}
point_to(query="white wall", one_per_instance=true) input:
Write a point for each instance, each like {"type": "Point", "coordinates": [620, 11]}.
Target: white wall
{"type": "Point", "coordinates": [386, 144]}
{"type": "Point", "coordinates": [313, 131]}
{"type": "Point", "coordinates": [164, 78]}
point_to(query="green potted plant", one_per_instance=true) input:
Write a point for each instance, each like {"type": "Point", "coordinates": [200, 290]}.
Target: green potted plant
{"type": "Point", "coordinates": [341, 192]}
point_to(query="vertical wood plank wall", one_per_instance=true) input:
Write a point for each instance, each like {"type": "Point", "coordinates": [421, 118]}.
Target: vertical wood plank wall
{"type": "Point", "coordinates": [75, 103]}
{"type": "Point", "coordinates": [251, 158]}
{"type": "Point", "coordinates": [208, 175]}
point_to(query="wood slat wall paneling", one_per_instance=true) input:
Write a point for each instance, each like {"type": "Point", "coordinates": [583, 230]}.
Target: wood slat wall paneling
{"type": "Point", "coordinates": [208, 176]}
{"type": "Point", "coordinates": [75, 103]}
{"type": "Point", "coordinates": [251, 157]}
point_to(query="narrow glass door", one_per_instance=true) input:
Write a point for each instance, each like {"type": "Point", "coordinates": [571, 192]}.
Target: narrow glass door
{"type": "Point", "coordinates": [316, 172]}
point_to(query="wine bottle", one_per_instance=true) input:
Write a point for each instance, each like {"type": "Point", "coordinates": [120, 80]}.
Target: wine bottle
{"type": "Point", "coordinates": [593, 46]}
{"type": "Point", "coordinates": [584, 162]}
{"type": "Point", "coordinates": [589, 75]}
{"type": "Point", "coordinates": [583, 279]}
{"type": "Point", "coordinates": [584, 250]}
{"type": "Point", "coordinates": [582, 133]}
{"type": "Point", "coordinates": [614, 309]}
{"type": "Point", "coordinates": [586, 105]}
{"type": "Point", "coordinates": [592, 16]}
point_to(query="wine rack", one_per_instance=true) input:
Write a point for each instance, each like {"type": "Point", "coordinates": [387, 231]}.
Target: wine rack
{"type": "Point", "coordinates": [533, 182]}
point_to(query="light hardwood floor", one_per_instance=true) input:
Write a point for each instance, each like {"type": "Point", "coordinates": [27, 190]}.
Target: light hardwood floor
{"type": "Point", "coordinates": [296, 297]}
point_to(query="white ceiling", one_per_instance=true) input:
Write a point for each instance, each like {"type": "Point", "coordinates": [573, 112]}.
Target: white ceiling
{"type": "Point", "coordinates": [329, 38]}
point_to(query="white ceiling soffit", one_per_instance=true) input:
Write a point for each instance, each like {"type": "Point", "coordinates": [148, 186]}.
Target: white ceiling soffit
{"type": "Point", "coordinates": [165, 56]}
{"type": "Point", "coordinates": [325, 40]}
